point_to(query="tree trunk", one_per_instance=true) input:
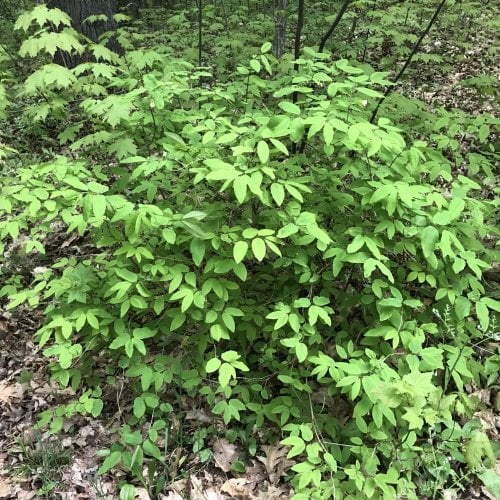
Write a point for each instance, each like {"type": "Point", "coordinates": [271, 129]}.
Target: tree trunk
{"type": "Point", "coordinates": [79, 11]}
{"type": "Point", "coordinates": [279, 44]}
{"type": "Point", "coordinates": [133, 8]}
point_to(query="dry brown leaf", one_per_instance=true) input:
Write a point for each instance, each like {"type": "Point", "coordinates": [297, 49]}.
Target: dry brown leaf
{"type": "Point", "coordinates": [29, 436]}
{"type": "Point", "coordinates": [200, 492]}
{"type": "Point", "coordinates": [209, 478]}
{"type": "Point", "coordinates": [4, 326]}
{"type": "Point", "coordinates": [10, 392]}
{"type": "Point", "coordinates": [214, 494]}
{"type": "Point", "coordinates": [67, 442]}
{"type": "Point", "coordinates": [142, 494]}
{"type": "Point", "coordinates": [256, 471]}
{"type": "Point", "coordinates": [238, 487]}
{"type": "Point", "coordinates": [487, 494]}
{"type": "Point", "coordinates": [86, 431]}
{"type": "Point", "coordinates": [25, 495]}
{"type": "Point", "coordinates": [199, 415]}
{"type": "Point", "coordinates": [81, 438]}
{"type": "Point", "coordinates": [225, 454]}
{"type": "Point", "coordinates": [178, 490]}
{"type": "Point", "coordinates": [195, 488]}
{"type": "Point", "coordinates": [449, 494]}
{"type": "Point", "coordinates": [171, 495]}
{"type": "Point", "coordinates": [39, 270]}
{"type": "Point", "coordinates": [275, 461]}
{"type": "Point", "coordinates": [274, 455]}
{"type": "Point", "coordinates": [5, 488]}
{"type": "Point", "coordinates": [70, 240]}
{"type": "Point", "coordinates": [71, 495]}
{"type": "Point", "coordinates": [487, 418]}
{"type": "Point", "coordinates": [75, 473]}
{"type": "Point", "coordinates": [272, 493]}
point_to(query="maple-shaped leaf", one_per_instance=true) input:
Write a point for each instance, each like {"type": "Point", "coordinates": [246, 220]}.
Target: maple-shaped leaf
{"type": "Point", "coordinates": [97, 69]}
{"type": "Point", "coordinates": [92, 140]}
{"type": "Point", "coordinates": [94, 106]}
{"type": "Point", "coordinates": [51, 42]}
{"type": "Point", "coordinates": [69, 40]}
{"type": "Point", "coordinates": [119, 18]}
{"type": "Point", "coordinates": [101, 52]}
{"type": "Point", "coordinates": [69, 134]}
{"type": "Point", "coordinates": [123, 147]}
{"type": "Point", "coordinates": [104, 70]}
{"type": "Point", "coordinates": [42, 15]}
{"type": "Point", "coordinates": [48, 76]}
{"type": "Point", "coordinates": [118, 109]}
{"type": "Point", "coordinates": [30, 47]}
{"type": "Point", "coordinates": [142, 59]}
{"type": "Point", "coordinates": [96, 18]}
{"type": "Point", "coordinates": [42, 111]}
{"type": "Point", "coordinates": [60, 76]}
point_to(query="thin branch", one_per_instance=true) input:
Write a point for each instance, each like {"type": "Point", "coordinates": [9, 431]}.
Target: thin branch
{"type": "Point", "coordinates": [408, 61]}
{"type": "Point", "coordinates": [335, 23]}
{"type": "Point", "coordinates": [9, 54]}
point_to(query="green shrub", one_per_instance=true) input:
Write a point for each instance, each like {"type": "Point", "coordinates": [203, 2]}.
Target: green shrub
{"type": "Point", "coordinates": [298, 267]}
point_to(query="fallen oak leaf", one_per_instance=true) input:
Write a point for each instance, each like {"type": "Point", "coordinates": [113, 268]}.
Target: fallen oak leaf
{"type": "Point", "coordinates": [5, 488]}
{"type": "Point", "coordinates": [225, 454]}
{"type": "Point", "coordinates": [238, 487]}
{"type": "Point", "coordinates": [272, 493]}
{"type": "Point", "coordinates": [199, 416]}
{"type": "Point", "coordinates": [275, 461]}
{"type": "Point", "coordinates": [9, 392]}
{"type": "Point", "coordinates": [199, 492]}
{"type": "Point", "coordinates": [24, 495]}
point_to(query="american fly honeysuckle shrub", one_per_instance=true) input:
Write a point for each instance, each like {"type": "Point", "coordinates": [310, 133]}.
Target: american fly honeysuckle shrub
{"type": "Point", "coordinates": [261, 244]}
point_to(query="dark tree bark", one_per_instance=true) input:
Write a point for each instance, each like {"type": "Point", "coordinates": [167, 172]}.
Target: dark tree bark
{"type": "Point", "coordinates": [133, 8]}
{"type": "Point", "coordinates": [298, 37]}
{"type": "Point", "coordinates": [279, 42]}
{"type": "Point", "coordinates": [79, 11]}
{"type": "Point", "coordinates": [298, 30]}
{"type": "Point", "coordinates": [200, 33]}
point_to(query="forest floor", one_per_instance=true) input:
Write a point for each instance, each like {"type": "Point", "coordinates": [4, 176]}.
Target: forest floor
{"type": "Point", "coordinates": [35, 463]}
